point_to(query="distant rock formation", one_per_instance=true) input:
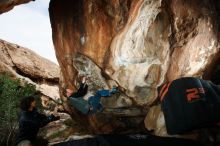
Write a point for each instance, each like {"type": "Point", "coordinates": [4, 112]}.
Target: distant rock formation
{"type": "Point", "coordinates": [25, 64]}
{"type": "Point", "coordinates": [7, 5]}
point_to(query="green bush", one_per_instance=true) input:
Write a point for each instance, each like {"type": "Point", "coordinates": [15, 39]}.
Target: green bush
{"type": "Point", "coordinates": [11, 91]}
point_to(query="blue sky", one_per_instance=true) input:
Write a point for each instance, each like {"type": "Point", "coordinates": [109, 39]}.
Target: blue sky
{"type": "Point", "coordinates": [28, 25]}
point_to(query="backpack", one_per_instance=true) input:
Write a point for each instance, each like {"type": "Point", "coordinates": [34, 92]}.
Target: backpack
{"type": "Point", "coordinates": [189, 103]}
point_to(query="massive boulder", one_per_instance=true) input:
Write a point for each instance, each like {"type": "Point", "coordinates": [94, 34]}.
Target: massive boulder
{"type": "Point", "coordinates": [136, 45]}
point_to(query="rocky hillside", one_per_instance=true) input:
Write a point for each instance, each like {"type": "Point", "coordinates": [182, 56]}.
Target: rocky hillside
{"type": "Point", "coordinates": [25, 64]}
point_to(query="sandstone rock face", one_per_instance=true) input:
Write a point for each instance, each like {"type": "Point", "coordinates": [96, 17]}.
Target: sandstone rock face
{"type": "Point", "coordinates": [7, 5]}
{"type": "Point", "coordinates": [25, 64]}
{"type": "Point", "coordinates": [136, 45]}
{"type": "Point", "coordinates": [196, 36]}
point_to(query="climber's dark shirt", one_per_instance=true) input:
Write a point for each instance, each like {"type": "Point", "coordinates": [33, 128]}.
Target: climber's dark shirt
{"type": "Point", "coordinates": [29, 124]}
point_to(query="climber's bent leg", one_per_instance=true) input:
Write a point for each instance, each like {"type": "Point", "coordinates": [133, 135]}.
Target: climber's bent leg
{"type": "Point", "coordinates": [107, 93]}
{"type": "Point", "coordinates": [103, 93]}
{"type": "Point", "coordinates": [94, 102]}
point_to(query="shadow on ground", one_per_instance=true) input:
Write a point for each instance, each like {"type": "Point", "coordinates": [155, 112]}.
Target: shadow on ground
{"type": "Point", "coordinates": [130, 140]}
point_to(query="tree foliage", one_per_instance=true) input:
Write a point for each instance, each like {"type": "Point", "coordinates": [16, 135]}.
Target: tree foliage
{"type": "Point", "coordinates": [11, 91]}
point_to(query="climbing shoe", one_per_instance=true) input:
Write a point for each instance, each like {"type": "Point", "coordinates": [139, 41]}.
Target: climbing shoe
{"type": "Point", "coordinates": [114, 90]}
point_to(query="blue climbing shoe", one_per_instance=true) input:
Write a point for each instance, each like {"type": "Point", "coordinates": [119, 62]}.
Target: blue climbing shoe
{"type": "Point", "coordinates": [114, 90]}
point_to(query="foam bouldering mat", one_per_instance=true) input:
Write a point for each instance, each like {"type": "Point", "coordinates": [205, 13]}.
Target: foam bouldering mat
{"type": "Point", "coordinates": [129, 140]}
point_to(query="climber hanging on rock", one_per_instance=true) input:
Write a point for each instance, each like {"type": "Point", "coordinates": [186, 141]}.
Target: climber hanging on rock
{"type": "Point", "coordinates": [92, 104]}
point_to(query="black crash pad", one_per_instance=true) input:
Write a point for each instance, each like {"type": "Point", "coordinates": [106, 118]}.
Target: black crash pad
{"type": "Point", "coordinates": [129, 140]}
